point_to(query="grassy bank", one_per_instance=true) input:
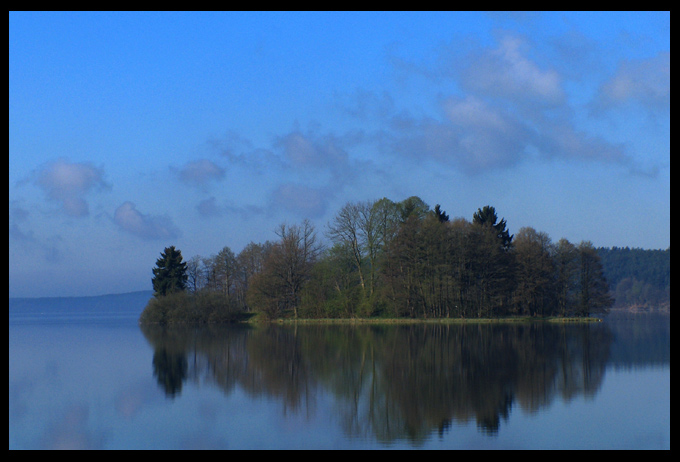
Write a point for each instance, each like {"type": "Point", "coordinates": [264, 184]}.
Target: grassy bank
{"type": "Point", "coordinates": [518, 319]}
{"type": "Point", "coordinates": [209, 308]}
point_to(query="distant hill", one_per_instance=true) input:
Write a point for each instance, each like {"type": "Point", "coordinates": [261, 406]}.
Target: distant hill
{"type": "Point", "coordinates": [132, 303]}
{"type": "Point", "coordinates": [638, 277]}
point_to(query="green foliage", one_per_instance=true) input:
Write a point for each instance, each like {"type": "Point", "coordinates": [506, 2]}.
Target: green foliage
{"type": "Point", "coordinates": [190, 308]}
{"type": "Point", "coordinates": [390, 260]}
{"type": "Point", "coordinates": [415, 207]}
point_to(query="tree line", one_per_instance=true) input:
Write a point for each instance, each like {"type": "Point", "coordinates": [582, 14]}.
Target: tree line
{"type": "Point", "coordinates": [638, 277]}
{"type": "Point", "coordinates": [386, 259]}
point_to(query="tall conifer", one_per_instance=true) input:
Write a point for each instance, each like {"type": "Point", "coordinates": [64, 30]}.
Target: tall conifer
{"type": "Point", "coordinates": [170, 273]}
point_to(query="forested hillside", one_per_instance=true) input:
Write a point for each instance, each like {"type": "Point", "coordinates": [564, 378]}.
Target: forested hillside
{"type": "Point", "coordinates": [638, 277]}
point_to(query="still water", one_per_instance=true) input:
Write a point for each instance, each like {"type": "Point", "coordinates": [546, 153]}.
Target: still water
{"type": "Point", "coordinates": [103, 383]}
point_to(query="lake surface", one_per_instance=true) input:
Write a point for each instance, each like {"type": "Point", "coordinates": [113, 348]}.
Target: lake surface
{"type": "Point", "coordinates": [86, 381]}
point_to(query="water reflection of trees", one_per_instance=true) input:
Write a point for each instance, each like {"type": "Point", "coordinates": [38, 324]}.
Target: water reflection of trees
{"type": "Point", "coordinates": [392, 382]}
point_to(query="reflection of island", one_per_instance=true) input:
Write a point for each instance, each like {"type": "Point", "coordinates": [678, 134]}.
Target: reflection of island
{"type": "Point", "coordinates": [392, 381]}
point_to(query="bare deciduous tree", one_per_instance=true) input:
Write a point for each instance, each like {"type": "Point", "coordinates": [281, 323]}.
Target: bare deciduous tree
{"type": "Point", "coordinates": [286, 269]}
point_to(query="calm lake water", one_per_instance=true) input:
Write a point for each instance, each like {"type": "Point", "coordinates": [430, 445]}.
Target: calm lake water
{"type": "Point", "coordinates": [101, 382]}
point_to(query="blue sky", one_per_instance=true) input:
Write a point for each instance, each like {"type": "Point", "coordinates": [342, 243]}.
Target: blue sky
{"type": "Point", "coordinates": [129, 132]}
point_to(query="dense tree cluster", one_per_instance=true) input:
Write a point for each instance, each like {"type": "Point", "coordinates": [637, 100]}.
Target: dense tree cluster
{"type": "Point", "coordinates": [638, 277]}
{"type": "Point", "coordinates": [401, 259]}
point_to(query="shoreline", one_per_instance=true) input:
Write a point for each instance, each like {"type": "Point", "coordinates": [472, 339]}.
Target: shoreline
{"type": "Point", "coordinates": [390, 321]}
{"type": "Point", "coordinates": [422, 321]}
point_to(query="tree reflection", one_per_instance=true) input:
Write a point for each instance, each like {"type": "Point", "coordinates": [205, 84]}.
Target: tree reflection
{"type": "Point", "coordinates": [392, 382]}
{"type": "Point", "coordinates": [170, 369]}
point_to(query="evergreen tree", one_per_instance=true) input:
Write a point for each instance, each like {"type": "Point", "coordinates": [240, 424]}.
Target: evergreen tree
{"type": "Point", "coordinates": [491, 269]}
{"type": "Point", "coordinates": [491, 263]}
{"type": "Point", "coordinates": [487, 216]}
{"type": "Point", "coordinates": [442, 217]}
{"type": "Point", "coordinates": [170, 273]}
{"type": "Point", "coordinates": [413, 206]}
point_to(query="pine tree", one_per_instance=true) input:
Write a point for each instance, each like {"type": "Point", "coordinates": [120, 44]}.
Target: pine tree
{"type": "Point", "coordinates": [442, 217]}
{"type": "Point", "coordinates": [487, 216]}
{"type": "Point", "coordinates": [170, 273]}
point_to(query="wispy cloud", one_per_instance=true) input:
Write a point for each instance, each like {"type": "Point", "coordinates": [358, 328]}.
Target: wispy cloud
{"type": "Point", "coordinates": [69, 183]}
{"type": "Point", "coordinates": [211, 208]}
{"type": "Point", "coordinates": [508, 109]}
{"type": "Point", "coordinates": [302, 200]}
{"type": "Point", "coordinates": [471, 135]}
{"type": "Point", "coordinates": [506, 72]}
{"type": "Point", "coordinates": [151, 227]}
{"type": "Point", "coordinates": [646, 82]}
{"type": "Point", "coordinates": [18, 216]}
{"type": "Point", "coordinates": [484, 136]}
{"type": "Point", "coordinates": [200, 173]}
{"type": "Point", "coordinates": [302, 169]}
{"type": "Point", "coordinates": [21, 232]}
{"type": "Point", "coordinates": [322, 153]}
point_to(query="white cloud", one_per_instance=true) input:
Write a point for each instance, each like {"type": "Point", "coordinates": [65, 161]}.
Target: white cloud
{"type": "Point", "coordinates": [131, 220]}
{"type": "Point", "coordinates": [69, 183]}
{"type": "Point", "coordinates": [509, 108]}
{"type": "Point", "coordinates": [505, 72]}
{"type": "Point", "coordinates": [478, 136]}
{"type": "Point", "coordinates": [471, 112]}
{"type": "Point", "coordinates": [473, 135]}
{"type": "Point", "coordinates": [486, 136]}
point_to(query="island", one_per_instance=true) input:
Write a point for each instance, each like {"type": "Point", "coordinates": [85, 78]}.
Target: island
{"type": "Point", "coordinates": [385, 260]}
